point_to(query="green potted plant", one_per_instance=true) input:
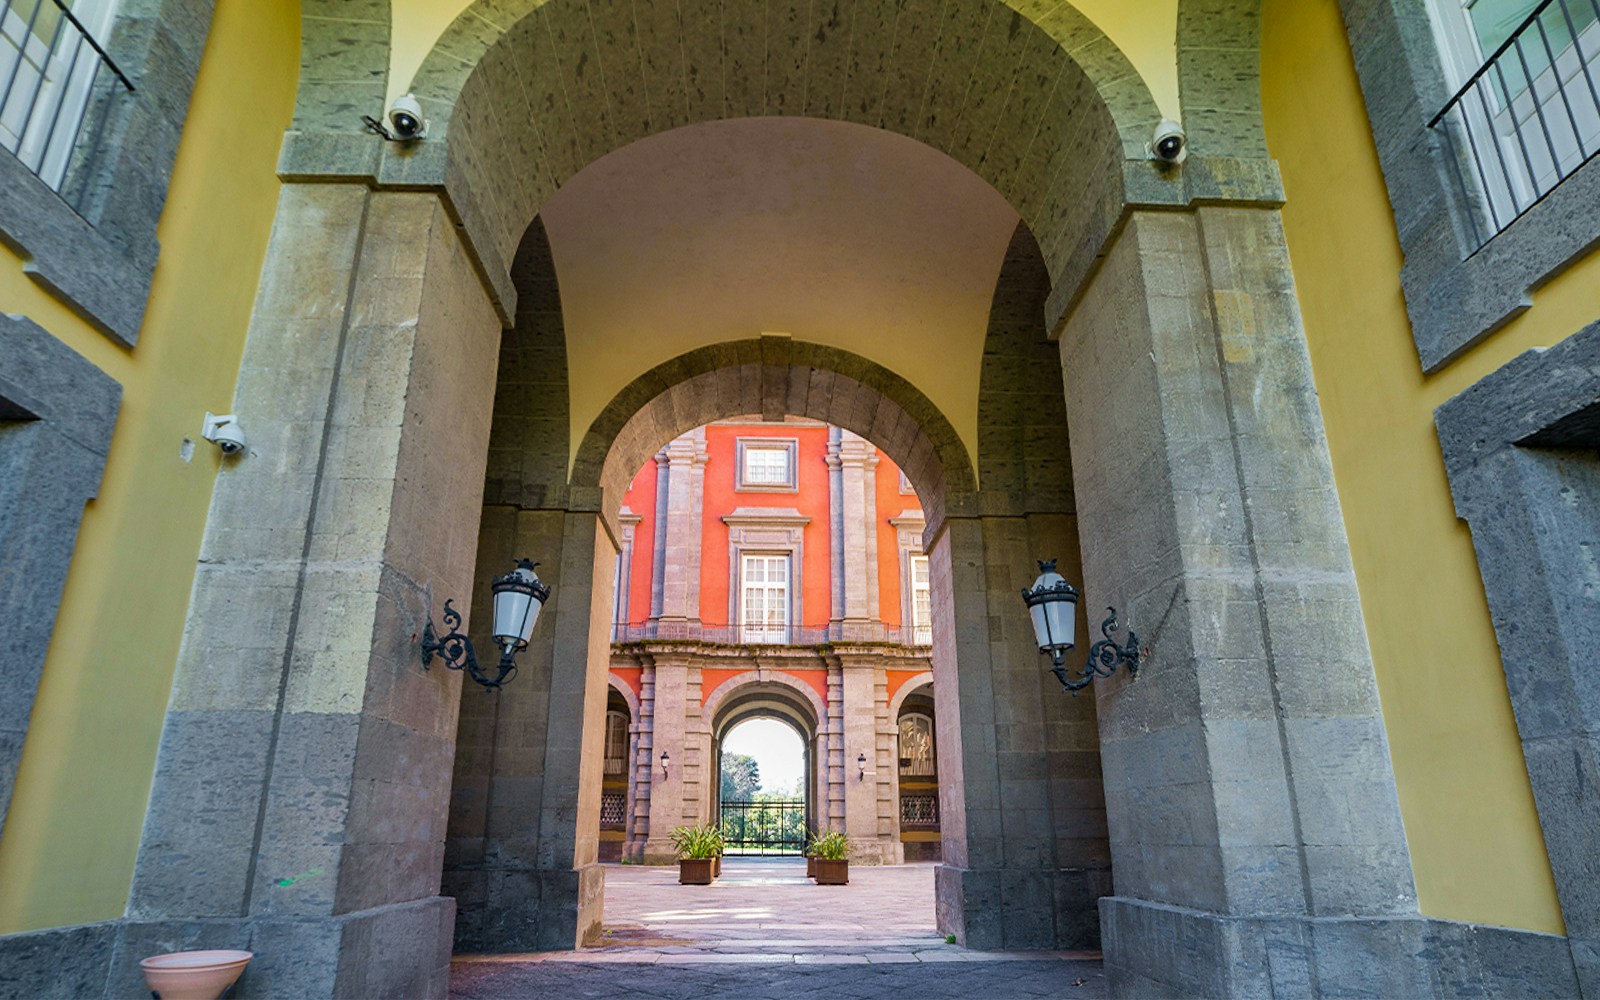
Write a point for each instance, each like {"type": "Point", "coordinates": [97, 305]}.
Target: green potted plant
{"type": "Point", "coordinates": [811, 855]}
{"type": "Point", "coordinates": [831, 856]}
{"type": "Point", "coordinates": [698, 848]}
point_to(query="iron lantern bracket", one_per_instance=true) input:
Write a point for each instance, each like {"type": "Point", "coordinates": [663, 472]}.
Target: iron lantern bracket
{"type": "Point", "coordinates": [1105, 656]}
{"type": "Point", "coordinates": [457, 652]}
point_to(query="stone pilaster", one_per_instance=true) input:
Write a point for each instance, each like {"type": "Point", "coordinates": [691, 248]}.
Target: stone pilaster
{"type": "Point", "coordinates": [685, 461]}
{"type": "Point", "coordinates": [668, 808]}
{"type": "Point", "coordinates": [1247, 773]}
{"type": "Point", "coordinates": [856, 460]}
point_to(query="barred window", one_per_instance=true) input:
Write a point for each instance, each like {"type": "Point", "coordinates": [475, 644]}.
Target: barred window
{"type": "Point", "coordinates": [616, 743]}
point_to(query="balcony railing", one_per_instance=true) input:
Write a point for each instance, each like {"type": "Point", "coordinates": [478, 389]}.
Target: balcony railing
{"type": "Point", "coordinates": [58, 89]}
{"type": "Point", "coordinates": [767, 634]}
{"type": "Point", "coordinates": [1529, 117]}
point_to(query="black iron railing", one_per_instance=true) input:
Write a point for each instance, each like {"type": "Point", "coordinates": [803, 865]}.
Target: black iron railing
{"type": "Point", "coordinates": [773, 635]}
{"type": "Point", "coordinates": [764, 826]}
{"type": "Point", "coordinates": [58, 91]}
{"type": "Point", "coordinates": [1529, 117]}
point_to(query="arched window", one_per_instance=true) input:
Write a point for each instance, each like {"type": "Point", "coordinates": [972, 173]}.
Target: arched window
{"type": "Point", "coordinates": [616, 743]}
{"type": "Point", "coordinates": [916, 745]}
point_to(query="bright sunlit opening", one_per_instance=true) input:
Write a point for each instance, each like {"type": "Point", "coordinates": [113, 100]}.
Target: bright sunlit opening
{"type": "Point", "coordinates": [778, 753]}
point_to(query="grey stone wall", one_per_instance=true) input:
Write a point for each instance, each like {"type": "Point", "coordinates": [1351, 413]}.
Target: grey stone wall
{"type": "Point", "coordinates": [298, 806]}
{"type": "Point", "coordinates": [57, 412]}
{"type": "Point", "coordinates": [1247, 771]}
{"type": "Point", "coordinates": [1520, 447]}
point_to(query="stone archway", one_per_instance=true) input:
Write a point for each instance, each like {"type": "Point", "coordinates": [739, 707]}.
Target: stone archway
{"type": "Point", "coordinates": [1199, 474]}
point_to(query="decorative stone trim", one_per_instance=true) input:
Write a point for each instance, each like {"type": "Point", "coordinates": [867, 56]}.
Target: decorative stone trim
{"type": "Point", "coordinates": [1520, 451]}
{"type": "Point", "coordinates": [57, 413]}
{"type": "Point", "coordinates": [766, 531]}
{"type": "Point", "coordinates": [790, 445]}
{"type": "Point", "coordinates": [1454, 300]}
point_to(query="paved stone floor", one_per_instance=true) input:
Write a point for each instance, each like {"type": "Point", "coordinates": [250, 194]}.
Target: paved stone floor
{"type": "Point", "coordinates": [764, 931]}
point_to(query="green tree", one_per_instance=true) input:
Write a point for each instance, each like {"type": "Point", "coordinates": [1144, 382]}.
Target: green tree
{"type": "Point", "coordinates": [741, 777]}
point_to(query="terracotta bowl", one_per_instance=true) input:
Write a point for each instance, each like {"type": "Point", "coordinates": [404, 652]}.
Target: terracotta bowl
{"type": "Point", "coordinates": [194, 975]}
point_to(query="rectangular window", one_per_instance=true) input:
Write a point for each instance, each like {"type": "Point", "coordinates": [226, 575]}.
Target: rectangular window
{"type": "Point", "coordinates": [50, 74]}
{"type": "Point", "coordinates": [616, 743]}
{"type": "Point", "coordinates": [921, 602]}
{"type": "Point", "coordinates": [764, 599]}
{"type": "Point", "coordinates": [766, 465]}
{"type": "Point", "coordinates": [1527, 111]}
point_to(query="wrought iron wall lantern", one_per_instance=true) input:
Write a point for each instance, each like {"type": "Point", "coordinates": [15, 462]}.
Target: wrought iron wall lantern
{"type": "Point", "coordinates": [1053, 606]}
{"type": "Point", "coordinates": [861, 767]}
{"type": "Point", "coordinates": [518, 598]}
{"type": "Point", "coordinates": [664, 760]}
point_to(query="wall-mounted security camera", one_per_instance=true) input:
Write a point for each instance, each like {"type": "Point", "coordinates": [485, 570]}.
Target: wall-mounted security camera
{"type": "Point", "coordinates": [224, 431]}
{"type": "Point", "coordinates": [1169, 145]}
{"type": "Point", "coordinates": [405, 121]}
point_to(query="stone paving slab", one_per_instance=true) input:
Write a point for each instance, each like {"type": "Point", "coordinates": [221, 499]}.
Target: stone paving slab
{"type": "Point", "coordinates": [760, 932]}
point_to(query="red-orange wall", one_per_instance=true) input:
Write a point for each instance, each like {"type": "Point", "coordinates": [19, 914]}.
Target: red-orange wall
{"type": "Point", "coordinates": [811, 475]}
{"type": "Point", "coordinates": [641, 499]}
{"type": "Point", "coordinates": [891, 503]}
{"type": "Point", "coordinates": [811, 500]}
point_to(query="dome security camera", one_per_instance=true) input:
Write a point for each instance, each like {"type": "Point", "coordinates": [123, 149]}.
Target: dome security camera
{"type": "Point", "coordinates": [405, 119]}
{"type": "Point", "coordinates": [224, 431]}
{"type": "Point", "coordinates": [1170, 145]}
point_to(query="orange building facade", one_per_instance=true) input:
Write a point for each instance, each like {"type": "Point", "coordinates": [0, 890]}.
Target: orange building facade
{"type": "Point", "coordinates": [772, 570]}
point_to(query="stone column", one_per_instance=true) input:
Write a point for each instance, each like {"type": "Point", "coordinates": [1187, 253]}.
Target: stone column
{"type": "Point", "coordinates": [298, 805]}
{"type": "Point", "coordinates": [1250, 797]}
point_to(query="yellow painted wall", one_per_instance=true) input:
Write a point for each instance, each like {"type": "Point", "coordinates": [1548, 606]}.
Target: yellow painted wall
{"type": "Point", "coordinates": [73, 828]}
{"type": "Point", "coordinates": [1469, 814]}
{"type": "Point", "coordinates": [1146, 32]}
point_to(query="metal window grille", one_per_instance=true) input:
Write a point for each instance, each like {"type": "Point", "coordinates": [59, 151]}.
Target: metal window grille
{"type": "Point", "coordinates": [1529, 117]}
{"type": "Point", "coordinates": [764, 826]}
{"type": "Point", "coordinates": [58, 91]}
{"type": "Point", "coordinates": [612, 805]}
{"type": "Point", "coordinates": [919, 810]}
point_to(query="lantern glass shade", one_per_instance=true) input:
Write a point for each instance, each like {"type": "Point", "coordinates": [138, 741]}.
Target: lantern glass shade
{"type": "Point", "coordinates": [1053, 606]}
{"type": "Point", "coordinates": [518, 598]}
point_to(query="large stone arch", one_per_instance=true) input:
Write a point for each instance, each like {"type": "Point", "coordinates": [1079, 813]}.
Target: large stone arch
{"type": "Point", "coordinates": [763, 681]}
{"type": "Point", "coordinates": [1039, 103]}
{"type": "Point", "coordinates": [776, 376]}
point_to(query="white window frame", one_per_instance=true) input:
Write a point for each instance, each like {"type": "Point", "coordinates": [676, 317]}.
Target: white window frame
{"type": "Point", "coordinates": [791, 482]}
{"type": "Point", "coordinates": [62, 83]}
{"type": "Point", "coordinates": [1514, 118]}
{"type": "Point", "coordinates": [769, 630]}
{"type": "Point", "coordinates": [921, 611]}
{"type": "Point", "coordinates": [616, 722]}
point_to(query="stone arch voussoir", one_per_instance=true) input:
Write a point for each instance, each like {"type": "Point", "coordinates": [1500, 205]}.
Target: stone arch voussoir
{"type": "Point", "coordinates": [776, 376]}
{"type": "Point", "coordinates": [762, 681]}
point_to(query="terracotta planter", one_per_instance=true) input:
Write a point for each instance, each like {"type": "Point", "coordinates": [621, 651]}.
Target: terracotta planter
{"type": "Point", "coordinates": [695, 871]}
{"type": "Point", "coordinates": [833, 872]}
{"type": "Point", "coordinates": [194, 975]}
{"type": "Point", "coordinates": [811, 867]}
